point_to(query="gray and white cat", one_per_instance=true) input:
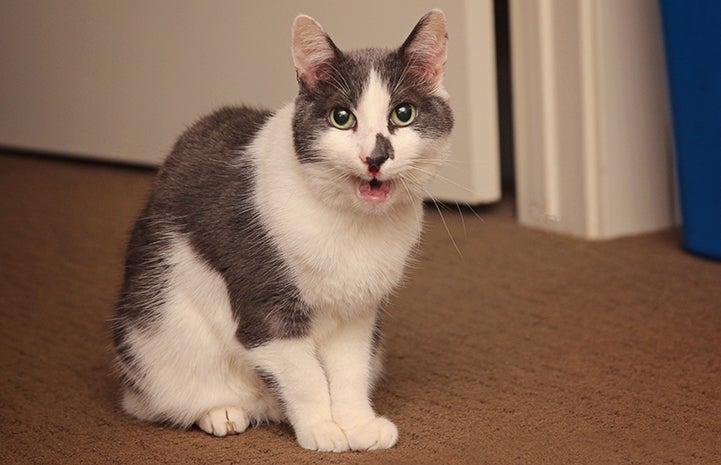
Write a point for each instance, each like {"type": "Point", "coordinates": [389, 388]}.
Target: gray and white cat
{"type": "Point", "coordinates": [255, 273]}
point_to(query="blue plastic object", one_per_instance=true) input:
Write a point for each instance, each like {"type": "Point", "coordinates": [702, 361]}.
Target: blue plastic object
{"type": "Point", "coordinates": [692, 33]}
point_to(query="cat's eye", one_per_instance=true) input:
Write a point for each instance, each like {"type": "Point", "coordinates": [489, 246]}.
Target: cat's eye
{"type": "Point", "coordinates": [342, 118]}
{"type": "Point", "coordinates": [403, 114]}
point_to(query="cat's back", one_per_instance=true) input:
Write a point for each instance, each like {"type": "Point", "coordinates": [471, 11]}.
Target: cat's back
{"type": "Point", "coordinates": [202, 193]}
{"type": "Point", "coordinates": [208, 170]}
{"type": "Point", "coordinates": [201, 203]}
{"type": "Point", "coordinates": [216, 139]}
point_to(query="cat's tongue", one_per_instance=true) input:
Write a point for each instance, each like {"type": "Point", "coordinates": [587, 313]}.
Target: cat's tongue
{"type": "Point", "coordinates": [374, 191]}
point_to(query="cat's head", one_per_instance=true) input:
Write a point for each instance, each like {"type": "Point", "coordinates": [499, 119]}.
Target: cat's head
{"type": "Point", "coordinates": [371, 126]}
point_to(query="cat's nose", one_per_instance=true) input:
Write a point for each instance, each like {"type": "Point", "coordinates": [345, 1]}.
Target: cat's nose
{"type": "Point", "coordinates": [382, 151]}
{"type": "Point", "coordinates": [374, 163]}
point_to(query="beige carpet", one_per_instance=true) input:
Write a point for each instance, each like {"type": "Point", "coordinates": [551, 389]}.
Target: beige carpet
{"type": "Point", "coordinates": [525, 348]}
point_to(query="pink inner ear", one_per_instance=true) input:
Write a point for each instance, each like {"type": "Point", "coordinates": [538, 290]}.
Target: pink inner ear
{"type": "Point", "coordinates": [427, 50]}
{"type": "Point", "coordinates": [312, 50]}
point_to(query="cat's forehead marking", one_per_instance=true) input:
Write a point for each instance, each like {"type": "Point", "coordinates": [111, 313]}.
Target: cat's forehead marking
{"type": "Point", "coordinates": [358, 67]}
{"type": "Point", "coordinates": [372, 108]}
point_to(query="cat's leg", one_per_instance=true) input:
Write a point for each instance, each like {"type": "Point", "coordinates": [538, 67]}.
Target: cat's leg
{"type": "Point", "coordinates": [188, 377]}
{"type": "Point", "coordinates": [347, 355]}
{"type": "Point", "coordinates": [292, 368]}
{"type": "Point", "coordinates": [184, 365]}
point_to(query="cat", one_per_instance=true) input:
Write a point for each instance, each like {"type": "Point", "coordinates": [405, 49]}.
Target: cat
{"type": "Point", "coordinates": [256, 271]}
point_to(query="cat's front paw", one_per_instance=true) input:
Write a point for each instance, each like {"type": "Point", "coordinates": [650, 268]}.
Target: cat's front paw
{"type": "Point", "coordinates": [376, 433]}
{"type": "Point", "coordinates": [222, 421]}
{"type": "Point", "coordinates": [325, 436]}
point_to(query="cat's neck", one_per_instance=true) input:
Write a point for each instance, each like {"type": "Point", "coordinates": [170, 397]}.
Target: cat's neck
{"type": "Point", "coordinates": [332, 252]}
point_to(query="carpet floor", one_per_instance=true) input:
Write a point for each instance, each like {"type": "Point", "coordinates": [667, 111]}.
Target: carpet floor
{"type": "Point", "coordinates": [512, 346]}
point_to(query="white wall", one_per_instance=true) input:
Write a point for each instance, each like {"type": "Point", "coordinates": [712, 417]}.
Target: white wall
{"type": "Point", "coordinates": [119, 80]}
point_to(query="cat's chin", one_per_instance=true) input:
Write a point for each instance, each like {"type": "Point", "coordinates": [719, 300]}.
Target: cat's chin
{"type": "Point", "coordinates": [374, 191]}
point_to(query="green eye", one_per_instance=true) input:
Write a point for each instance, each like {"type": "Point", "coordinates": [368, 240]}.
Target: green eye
{"type": "Point", "coordinates": [342, 118]}
{"type": "Point", "coordinates": [403, 114]}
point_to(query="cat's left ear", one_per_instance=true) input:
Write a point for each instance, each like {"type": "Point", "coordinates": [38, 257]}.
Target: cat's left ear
{"type": "Point", "coordinates": [425, 51]}
{"type": "Point", "coordinates": [313, 51]}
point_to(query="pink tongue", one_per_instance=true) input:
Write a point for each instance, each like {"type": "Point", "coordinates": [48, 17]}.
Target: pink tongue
{"type": "Point", "coordinates": [374, 194]}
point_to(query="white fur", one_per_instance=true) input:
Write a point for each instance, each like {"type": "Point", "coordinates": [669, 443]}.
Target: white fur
{"type": "Point", "coordinates": [345, 256]}
{"type": "Point", "coordinates": [345, 259]}
{"type": "Point", "coordinates": [197, 361]}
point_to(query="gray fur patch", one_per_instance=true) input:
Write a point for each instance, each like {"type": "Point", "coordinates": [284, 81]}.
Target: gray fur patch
{"type": "Point", "coordinates": [204, 191]}
{"type": "Point", "coordinates": [383, 148]}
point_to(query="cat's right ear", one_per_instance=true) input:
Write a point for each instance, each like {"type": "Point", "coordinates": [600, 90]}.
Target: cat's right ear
{"type": "Point", "coordinates": [313, 52]}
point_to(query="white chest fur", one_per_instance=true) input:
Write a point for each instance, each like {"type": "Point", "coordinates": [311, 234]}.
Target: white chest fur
{"type": "Point", "coordinates": [342, 261]}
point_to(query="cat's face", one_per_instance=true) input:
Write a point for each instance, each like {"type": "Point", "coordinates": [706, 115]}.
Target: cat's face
{"type": "Point", "coordinates": [371, 126]}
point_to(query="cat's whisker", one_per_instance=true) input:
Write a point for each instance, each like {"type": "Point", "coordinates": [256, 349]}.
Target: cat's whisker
{"type": "Point", "coordinates": [337, 176]}
{"type": "Point", "coordinates": [421, 185]}
{"type": "Point", "coordinates": [338, 86]}
{"type": "Point", "coordinates": [443, 178]}
{"type": "Point", "coordinates": [413, 166]}
{"type": "Point", "coordinates": [400, 90]}
{"type": "Point", "coordinates": [340, 82]}
{"type": "Point", "coordinates": [410, 197]}
{"type": "Point", "coordinates": [465, 204]}
{"type": "Point", "coordinates": [445, 225]}
{"type": "Point", "coordinates": [345, 83]}
{"type": "Point", "coordinates": [402, 77]}
{"type": "Point", "coordinates": [463, 220]}
{"type": "Point", "coordinates": [333, 80]}
{"type": "Point", "coordinates": [437, 163]}
{"type": "Point", "coordinates": [410, 178]}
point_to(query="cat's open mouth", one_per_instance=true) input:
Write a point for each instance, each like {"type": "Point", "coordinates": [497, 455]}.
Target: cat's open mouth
{"type": "Point", "coordinates": [373, 191]}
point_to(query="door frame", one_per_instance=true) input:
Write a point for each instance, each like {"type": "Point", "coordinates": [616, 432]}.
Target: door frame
{"type": "Point", "coordinates": [592, 133]}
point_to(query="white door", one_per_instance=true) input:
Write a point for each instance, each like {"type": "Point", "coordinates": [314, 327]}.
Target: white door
{"type": "Point", "coordinates": [120, 80]}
